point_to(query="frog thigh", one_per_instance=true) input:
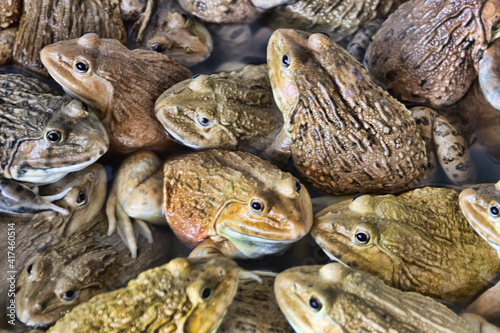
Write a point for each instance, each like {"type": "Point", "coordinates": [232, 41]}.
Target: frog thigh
{"type": "Point", "coordinates": [452, 151]}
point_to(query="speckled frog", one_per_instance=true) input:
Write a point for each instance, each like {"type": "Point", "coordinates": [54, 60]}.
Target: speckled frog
{"type": "Point", "coordinates": [122, 85]}
{"type": "Point", "coordinates": [185, 295]}
{"type": "Point", "coordinates": [346, 134]}
{"type": "Point", "coordinates": [223, 202]}
{"type": "Point", "coordinates": [417, 241]}
{"type": "Point", "coordinates": [229, 110]}
{"type": "Point", "coordinates": [336, 298]}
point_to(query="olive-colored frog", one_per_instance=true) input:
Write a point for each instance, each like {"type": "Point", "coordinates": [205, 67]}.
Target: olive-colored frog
{"type": "Point", "coordinates": [81, 266]}
{"type": "Point", "coordinates": [44, 136]}
{"type": "Point", "coordinates": [229, 110]}
{"type": "Point", "coordinates": [336, 298]}
{"type": "Point", "coordinates": [44, 22]}
{"type": "Point", "coordinates": [416, 241]}
{"type": "Point", "coordinates": [221, 202]}
{"type": "Point", "coordinates": [346, 134]}
{"type": "Point", "coordinates": [122, 85]}
{"type": "Point", "coordinates": [185, 295]}
{"type": "Point", "coordinates": [164, 27]}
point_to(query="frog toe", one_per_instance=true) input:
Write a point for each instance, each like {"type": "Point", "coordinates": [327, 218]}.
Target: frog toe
{"type": "Point", "coordinates": [126, 230]}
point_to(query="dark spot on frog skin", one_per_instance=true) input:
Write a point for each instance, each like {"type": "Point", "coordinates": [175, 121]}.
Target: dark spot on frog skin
{"type": "Point", "coordinates": [422, 83]}
{"type": "Point", "coordinates": [2, 101]}
{"type": "Point", "coordinates": [19, 188]}
{"type": "Point", "coordinates": [461, 167]}
{"type": "Point", "coordinates": [228, 11]}
{"type": "Point", "coordinates": [390, 75]}
{"type": "Point", "coordinates": [201, 6]}
{"type": "Point", "coordinates": [401, 35]}
{"type": "Point", "coordinates": [422, 121]}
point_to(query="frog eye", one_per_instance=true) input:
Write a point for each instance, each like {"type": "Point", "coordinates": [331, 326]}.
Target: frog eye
{"type": "Point", "coordinates": [69, 295]}
{"type": "Point", "coordinates": [357, 196]}
{"type": "Point", "coordinates": [29, 270]}
{"type": "Point", "coordinates": [362, 237]}
{"type": "Point", "coordinates": [82, 65]}
{"type": "Point", "coordinates": [53, 136]}
{"type": "Point", "coordinates": [195, 76]}
{"type": "Point", "coordinates": [315, 304]}
{"type": "Point", "coordinates": [159, 47]}
{"type": "Point", "coordinates": [205, 293]}
{"type": "Point", "coordinates": [81, 199]}
{"type": "Point", "coordinates": [203, 121]}
{"type": "Point", "coordinates": [286, 60]}
{"type": "Point", "coordinates": [297, 186]}
{"type": "Point", "coordinates": [257, 205]}
{"type": "Point", "coordinates": [495, 211]}
{"type": "Point", "coordinates": [85, 107]}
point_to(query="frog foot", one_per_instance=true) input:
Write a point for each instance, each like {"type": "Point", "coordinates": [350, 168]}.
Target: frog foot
{"type": "Point", "coordinates": [128, 228]}
{"type": "Point", "coordinates": [141, 24]}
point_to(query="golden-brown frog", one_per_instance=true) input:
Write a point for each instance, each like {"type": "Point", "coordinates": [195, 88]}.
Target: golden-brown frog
{"type": "Point", "coordinates": [223, 202]}
{"type": "Point", "coordinates": [430, 51]}
{"type": "Point", "coordinates": [185, 295]}
{"type": "Point", "coordinates": [336, 298]}
{"type": "Point", "coordinates": [229, 110]}
{"type": "Point", "coordinates": [80, 266]}
{"type": "Point", "coordinates": [166, 28]}
{"type": "Point", "coordinates": [122, 85]}
{"type": "Point", "coordinates": [416, 241]}
{"type": "Point", "coordinates": [346, 134]}
{"type": "Point", "coordinates": [44, 22]}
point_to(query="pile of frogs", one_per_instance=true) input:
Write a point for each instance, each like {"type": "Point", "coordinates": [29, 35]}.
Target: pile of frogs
{"type": "Point", "coordinates": [138, 197]}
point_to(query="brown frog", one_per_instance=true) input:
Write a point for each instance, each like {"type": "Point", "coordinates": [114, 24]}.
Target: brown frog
{"type": "Point", "coordinates": [85, 264]}
{"type": "Point", "coordinates": [49, 21]}
{"type": "Point", "coordinates": [416, 241]}
{"type": "Point", "coordinates": [336, 298]}
{"type": "Point", "coordinates": [346, 134]}
{"type": "Point", "coordinates": [221, 202]}
{"type": "Point", "coordinates": [222, 11]}
{"type": "Point", "coordinates": [122, 85]}
{"type": "Point", "coordinates": [229, 110]}
{"type": "Point", "coordinates": [185, 295]}
{"type": "Point", "coordinates": [164, 27]}
{"type": "Point", "coordinates": [337, 18]}
{"type": "Point", "coordinates": [430, 51]}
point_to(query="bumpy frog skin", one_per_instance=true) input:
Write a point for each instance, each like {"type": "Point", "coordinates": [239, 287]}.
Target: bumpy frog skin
{"type": "Point", "coordinates": [336, 298]}
{"type": "Point", "coordinates": [229, 110]}
{"type": "Point", "coordinates": [417, 241]}
{"type": "Point", "coordinates": [81, 266]}
{"type": "Point", "coordinates": [221, 11]}
{"type": "Point", "coordinates": [480, 205]}
{"type": "Point", "coordinates": [223, 202]}
{"type": "Point", "coordinates": [254, 309]}
{"type": "Point", "coordinates": [45, 137]}
{"type": "Point", "coordinates": [337, 18]}
{"type": "Point", "coordinates": [10, 10]}
{"type": "Point", "coordinates": [346, 134]}
{"type": "Point", "coordinates": [166, 28]}
{"type": "Point", "coordinates": [122, 85]}
{"type": "Point", "coordinates": [44, 22]}
{"type": "Point", "coordinates": [428, 51]}
{"type": "Point", "coordinates": [7, 39]}
{"type": "Point", "coordinates": [185, 295]}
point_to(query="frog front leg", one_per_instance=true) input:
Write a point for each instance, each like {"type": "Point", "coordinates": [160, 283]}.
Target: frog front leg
{"type": "Point", "coordinates": [216, 246]}
{"type": "Point", "coordinates": [279, 152]}
{"type": "Point", "coordinates": [136, 197]}
{"type": "Point", "coordinates": [450, 145]}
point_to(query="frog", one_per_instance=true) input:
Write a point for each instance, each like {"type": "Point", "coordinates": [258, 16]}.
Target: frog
{"type": "Point", "coordinates": [121, 84]}
{"type": "Point", "coordinates": [81, 266]}
{"type": "Point", "coordinates": [165, 28]}
{"type": "Point", "coordinates": [222, 11]}
{"type": "Point", "coordinates": [416, 241]}
{"type": "Point", "coordinates": [430, 52]}
{"type": "Point", "coordinates": [45, 136]}
{"type": "Point", "coordinates": [219, 202]}
{"type": "Point", "coordinates": [10, 11]}
{"type": "Point", "coordinates": [7, 40]}
{"type": "Point", "coordinates": [338, 19]}
{"type": "Point", "coordinates": [46, 22]}
{"type": "Point", "coordinates": [337, 298]}
{"type": "Point", "coordinates": [185, 295]}
{"type": "Point", "coordinates": [346, 134]}
{"type": "Point", "coordinates": [85, 195]}
{"type": "Point", "coordinates": [228, 110]}
{"type": "Point", "coordinates": [362, 38]}
{"type": "Point", "coordinates": [254, 308]}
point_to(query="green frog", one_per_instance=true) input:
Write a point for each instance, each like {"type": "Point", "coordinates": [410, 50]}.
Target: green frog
{"type": "Point", "coordinates": [228, 110]}
{"type": "Point", "coordinates": [120, 84]}
{"type": "Point", "coordinates": [348, 135]}
{"type": "Point", "coordinates": [220, 202]}
{"type": "Point", "coordinates": [417, 241]}
{"type": "Point", "coordinates": [336, 298]}
{"type": "Point", "coordinates": [186, 295]}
